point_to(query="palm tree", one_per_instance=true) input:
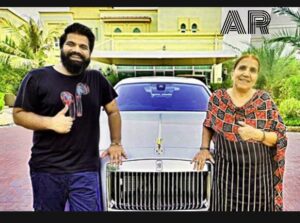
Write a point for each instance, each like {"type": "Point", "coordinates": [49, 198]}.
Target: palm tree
{"type": "Point", "coordinates": [24, 47]}
{"type": "Point", "coordinates": [277, 64]}
{"type": "Point", "coordinates": [27, 45]}
{"type": "Point", "coordinates": [285, 35]}
{"type": "Point", "coordinates": [273, 57]}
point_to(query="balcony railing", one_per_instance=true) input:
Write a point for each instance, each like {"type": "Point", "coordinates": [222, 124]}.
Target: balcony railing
{"type": "Point", "coordinates": [164, 42]}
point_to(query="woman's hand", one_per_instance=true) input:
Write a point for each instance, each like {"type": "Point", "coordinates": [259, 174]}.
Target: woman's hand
{"type": "Point", "coordinates": [248, 132]}
{"type": "Point", "coordinates": [200, 158]}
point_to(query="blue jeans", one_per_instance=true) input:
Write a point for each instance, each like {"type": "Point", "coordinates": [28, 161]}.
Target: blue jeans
{"type": "Point", "coordinates": [52, 191]}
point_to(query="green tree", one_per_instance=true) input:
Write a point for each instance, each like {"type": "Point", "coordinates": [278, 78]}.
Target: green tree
{"type": "Point", "coordinates": [276, 62]}
{"type": "Point", "coordinates": [285, 35]}
{"type": "Point", "coordinates": [25, 46]}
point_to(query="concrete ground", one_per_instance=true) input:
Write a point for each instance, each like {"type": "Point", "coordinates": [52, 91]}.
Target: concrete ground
{"type": "Point", "coordinates": [15, 185]}
{"type": "Point", "coordinates": [6, 116]}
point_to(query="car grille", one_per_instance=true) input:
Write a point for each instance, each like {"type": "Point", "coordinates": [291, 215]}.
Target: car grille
{"type": "Point", "coordinates": [159, 190]}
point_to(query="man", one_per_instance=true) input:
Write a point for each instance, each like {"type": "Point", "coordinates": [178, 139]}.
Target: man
{"type": "Point", "coordinates": [61, 104]}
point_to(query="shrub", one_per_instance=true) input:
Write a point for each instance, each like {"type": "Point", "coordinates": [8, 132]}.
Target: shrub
{"type": "Point", "coordinates": [10, 78]}
{"type": "Point", "coordinates": [291, 87]}
{"type": "Point", "coordinates": [292, 121]}
{"type": "Point", "coordinates": [1, 100]}
{"type": "Point", "coordinates": [290, 109]}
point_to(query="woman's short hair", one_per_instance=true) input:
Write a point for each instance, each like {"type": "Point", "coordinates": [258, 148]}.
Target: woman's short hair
{"type": "Point", "coordinates": [247, 56]}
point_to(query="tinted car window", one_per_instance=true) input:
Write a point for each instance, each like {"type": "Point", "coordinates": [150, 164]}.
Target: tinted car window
{"type": "Point", "coordinates": [162, 97]}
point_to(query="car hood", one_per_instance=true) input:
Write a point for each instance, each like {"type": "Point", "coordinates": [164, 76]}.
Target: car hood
{"type": "Point", "coordinates": [177, 134]}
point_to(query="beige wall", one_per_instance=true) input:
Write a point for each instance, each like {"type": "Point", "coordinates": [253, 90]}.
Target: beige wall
{"type": "Point", "coordinates": [160, 28]}
{"type": "Point", "coordinates": [208, 19]}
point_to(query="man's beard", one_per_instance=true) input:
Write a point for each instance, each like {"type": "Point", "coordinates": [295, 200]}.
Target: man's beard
{"type": "Point", "coordinates": [74, 67]}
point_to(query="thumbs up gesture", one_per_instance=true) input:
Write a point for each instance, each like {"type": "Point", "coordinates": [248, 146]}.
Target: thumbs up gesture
{"type": "Point", "coordinates": [61, 123]}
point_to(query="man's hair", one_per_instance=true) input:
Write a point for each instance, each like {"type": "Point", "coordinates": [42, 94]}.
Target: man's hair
{"type": "Point", "coordinates": [80, 29]}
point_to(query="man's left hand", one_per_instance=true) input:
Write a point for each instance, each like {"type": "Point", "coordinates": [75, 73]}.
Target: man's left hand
{"type": "Point", "coordinates": [116, 154]}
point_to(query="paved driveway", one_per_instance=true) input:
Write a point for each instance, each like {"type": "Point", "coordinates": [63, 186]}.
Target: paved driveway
{"type": "Point", "coordinates": [15, 186]}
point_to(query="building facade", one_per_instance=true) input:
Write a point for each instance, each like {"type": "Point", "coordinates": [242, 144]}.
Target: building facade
{"type": "Point", "coordinates": [163, 41]}
{"type": "Point", "coordinates": [160, 41]}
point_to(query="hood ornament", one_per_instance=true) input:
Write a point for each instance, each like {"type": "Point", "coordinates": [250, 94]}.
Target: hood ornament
{"type": "Point", "coordinates": [159, 149]}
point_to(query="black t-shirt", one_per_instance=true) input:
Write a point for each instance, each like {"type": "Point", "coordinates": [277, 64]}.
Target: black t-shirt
{"type": "Point", "coordinates": [44, 91]}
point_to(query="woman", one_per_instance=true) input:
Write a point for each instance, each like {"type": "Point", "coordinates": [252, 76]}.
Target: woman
{"type": "Point", "coordinates": [250, 141]}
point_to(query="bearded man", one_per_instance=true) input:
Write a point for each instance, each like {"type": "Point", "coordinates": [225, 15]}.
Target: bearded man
{"type": "Point", "coordinates": [61, 104]}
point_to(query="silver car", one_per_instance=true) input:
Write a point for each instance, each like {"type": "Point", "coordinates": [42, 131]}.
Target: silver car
{"type": "Point", "coordinates": [162, 121]}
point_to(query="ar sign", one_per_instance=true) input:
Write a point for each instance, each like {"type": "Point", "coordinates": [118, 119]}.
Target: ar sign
{"type": "Point", "coordinates": [256, 19]}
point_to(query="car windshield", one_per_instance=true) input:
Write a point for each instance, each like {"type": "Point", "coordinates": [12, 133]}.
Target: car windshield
{"type": "Point", "coordinates": [162, 97]}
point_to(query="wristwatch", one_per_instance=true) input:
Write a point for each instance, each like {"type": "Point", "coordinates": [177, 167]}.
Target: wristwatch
{"type": "Point", "coordinates": [204, 148]}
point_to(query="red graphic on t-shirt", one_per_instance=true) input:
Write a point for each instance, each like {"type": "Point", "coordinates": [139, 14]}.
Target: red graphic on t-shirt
{"type": "Point", "coordinates": [75, 106]}
{"type": "Point", "coordinates": [68, 99]}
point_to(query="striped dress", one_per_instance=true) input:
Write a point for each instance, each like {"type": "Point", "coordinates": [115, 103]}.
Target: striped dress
{"type": "Point", "coordinates": [243, 176]}
{"type": "Point", "coordinates": [248, 175]}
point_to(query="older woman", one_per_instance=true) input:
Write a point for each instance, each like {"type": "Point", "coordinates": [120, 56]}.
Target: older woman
{"type": "Point", "coordinates": [250, 141]}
